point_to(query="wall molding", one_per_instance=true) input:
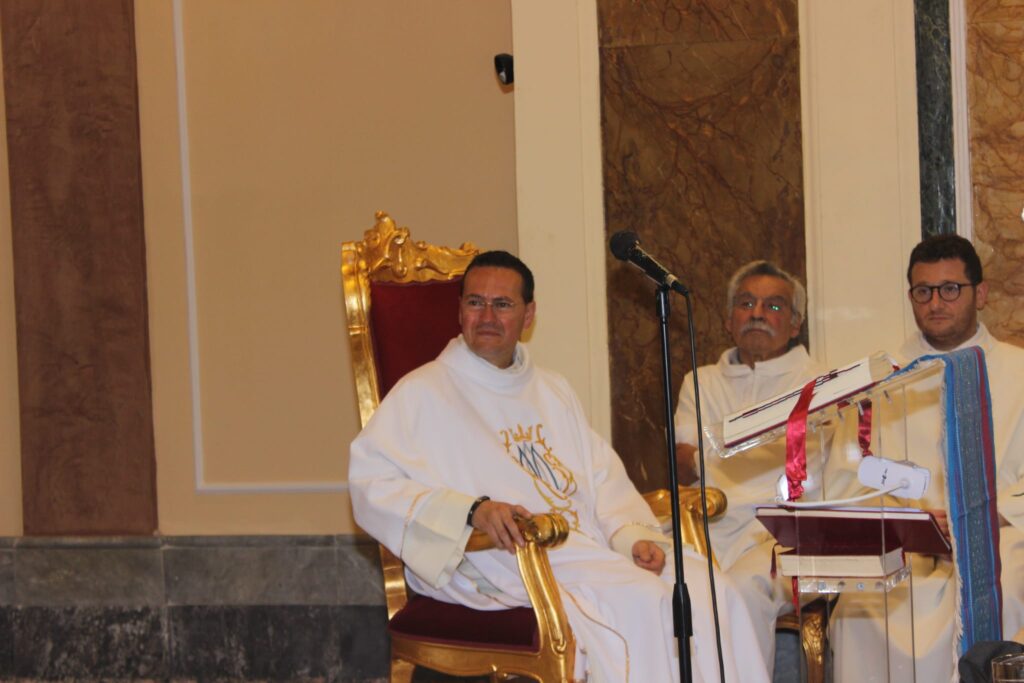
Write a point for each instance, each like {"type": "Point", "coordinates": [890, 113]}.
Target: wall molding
{"type": "Point", "coordinates": [961, 119]}
{"type": "Point", "coordinates": [198, 452]}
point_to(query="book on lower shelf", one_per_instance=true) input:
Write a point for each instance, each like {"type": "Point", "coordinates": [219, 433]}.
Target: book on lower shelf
{"type": "Point", "coordinates": [829, 389]}
{"type": "Point", "coordinates": [854, 530]}
{"type": "Point", "coordinates": [792, 563]}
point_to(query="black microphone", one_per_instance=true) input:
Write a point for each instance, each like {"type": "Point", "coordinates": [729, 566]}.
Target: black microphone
{"type": "Point", "coordinates": [625, 246]}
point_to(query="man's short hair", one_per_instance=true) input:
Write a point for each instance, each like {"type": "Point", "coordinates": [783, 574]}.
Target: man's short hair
{"type": "Point", "coordinates": [799, 303]}
{"type": "Point", "coordinates": [503, 259]}
{"type": "Point", "coordinates": [942, 247]}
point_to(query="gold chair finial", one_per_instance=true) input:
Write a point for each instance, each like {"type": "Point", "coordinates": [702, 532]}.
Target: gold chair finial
{"type": "Point", "coordinates": [388, 255]}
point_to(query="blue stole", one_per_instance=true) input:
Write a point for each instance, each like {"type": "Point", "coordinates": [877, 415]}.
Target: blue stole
{"type": "Point", "coordinates": [971, 490]}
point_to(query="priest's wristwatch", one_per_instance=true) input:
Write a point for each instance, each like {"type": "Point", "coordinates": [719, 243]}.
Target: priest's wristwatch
{"type": "Point", "coordinates": [473, 507]}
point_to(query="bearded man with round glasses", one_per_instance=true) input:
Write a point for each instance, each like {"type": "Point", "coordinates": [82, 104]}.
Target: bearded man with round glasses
{"type": "Point", "coordinates": [946, 292]}
{"type": "Point", "coordinates": [765, 308]}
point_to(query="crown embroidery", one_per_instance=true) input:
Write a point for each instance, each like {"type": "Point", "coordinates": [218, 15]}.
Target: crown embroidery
{"type": "Point", "coordinates": [553, 480]}
{"type": "Point", "coordinates": [520, 435]}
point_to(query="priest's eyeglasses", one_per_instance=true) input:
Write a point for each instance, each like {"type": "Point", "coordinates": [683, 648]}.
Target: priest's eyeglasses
{"type": "Point", "coordinates": [772, 304]}
{"type": "Point", "coordinates": [478, 304]}
{"type": "Point", "coordinates": [948, 291]}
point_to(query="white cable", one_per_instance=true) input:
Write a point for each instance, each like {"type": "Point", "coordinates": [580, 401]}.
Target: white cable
{"type": "Point", "coordinates": [841, 501]}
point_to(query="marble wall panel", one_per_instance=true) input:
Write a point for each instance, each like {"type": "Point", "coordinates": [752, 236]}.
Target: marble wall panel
{"type": "Point", "coordinates": [271, 572]}
{"type": "Point", "coordinates": [242, 643]}
{"type": "Point", "coordinates": [979, 11]}
{"type": "Point", "coordinates": [87, 643]}
{"type": "Point", "coordinates": [6, 642]}
{"type": "Point", "coordinates": [88, 461]}
{"type": "Point", "coordinates": [192, 608]}
{"type": "Point", "coordinates": [207, 639]}
{"type": "Point", "coordinates": [934, 117]}
{"type": "Point", "coordinates": [702, 158]}
{"type": "Point", "coordinates": [127, 573]}
{"type": "Point", "coordinates": [995, 65]}
{"type": "Point", "coordinates": [358, 562]}
{"type": "Point", "coordinates": [6, 572]}
{"type": "Point", "coordinates": [622, 22]}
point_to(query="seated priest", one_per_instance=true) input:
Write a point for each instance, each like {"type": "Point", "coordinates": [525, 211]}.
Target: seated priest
{"type": "Point", "coordinates": [765, 308]}
{"type": "Point", "coordinates": [946, 291]}
{"type": "Point", "coordinates": [481, 434]}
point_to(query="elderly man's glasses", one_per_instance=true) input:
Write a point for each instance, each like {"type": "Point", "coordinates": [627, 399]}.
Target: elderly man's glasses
{"type": "Point", "coordinates": [772, 304]}
{"type": "Point", "coordinates": [948, 291]}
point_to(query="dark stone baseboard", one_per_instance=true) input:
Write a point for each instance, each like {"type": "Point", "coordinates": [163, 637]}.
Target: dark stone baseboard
{"type": "Point", "coordinates": [223, 608]}
{"type": "Point", "coordinates": [196, 609]}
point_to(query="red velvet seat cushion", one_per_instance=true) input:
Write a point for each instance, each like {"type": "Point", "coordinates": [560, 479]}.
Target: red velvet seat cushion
{"type": "Point", "coordinates": [411, 324]}
{"type": "Point", "coordinates": [442, 622]}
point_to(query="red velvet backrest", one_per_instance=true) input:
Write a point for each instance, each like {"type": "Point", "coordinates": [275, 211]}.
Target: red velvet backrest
{"type": "Point", "coordinates": [410, 325]}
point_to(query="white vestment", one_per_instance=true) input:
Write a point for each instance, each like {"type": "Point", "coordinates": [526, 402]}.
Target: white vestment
{"type": "Point", "coordinates": [741, 544]}
{"type": "Point", "coordinates": [458, 428]}
{"type": "Point", "coordinates": [859, 629]}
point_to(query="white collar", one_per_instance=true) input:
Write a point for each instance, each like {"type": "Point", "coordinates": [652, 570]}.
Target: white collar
{"type": "Point", "coordinates": [461, 359]}
{"type": "Point", "coordinates": [730, 365]}
{"type": "Point", "coordinates": [916, 345]}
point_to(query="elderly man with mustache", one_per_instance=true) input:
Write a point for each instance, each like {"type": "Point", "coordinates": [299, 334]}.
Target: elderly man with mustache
{"type": "Point", "coordinates": [765, 310]}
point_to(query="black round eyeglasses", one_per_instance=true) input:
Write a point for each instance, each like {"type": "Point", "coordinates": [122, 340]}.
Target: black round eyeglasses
{"type": "Point", "coordinates": [948, 291]}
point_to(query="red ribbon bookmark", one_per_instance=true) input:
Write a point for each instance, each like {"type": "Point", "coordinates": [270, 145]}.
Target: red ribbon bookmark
{"type": "Point", "coordinates": [864, 428]}
{"type": "Point", "coordinates": [796, 442]}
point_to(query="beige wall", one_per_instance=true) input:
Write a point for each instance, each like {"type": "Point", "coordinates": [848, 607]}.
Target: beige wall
{"type": "Point", "coordinates": [559, 192]}
{"type": "Point", "coordinates": [10, 444]}
{"type": "Point", "coordinates": [289, 142]}
{"type": "Point", "coordinates": [861, 191]}
{"type": "Point", "coordinates": [302, 120]}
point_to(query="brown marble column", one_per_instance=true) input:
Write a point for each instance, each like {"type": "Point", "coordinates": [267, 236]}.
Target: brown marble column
{"type": "Point", "coordinates": [995, 61]}
{"type": "Point", "coordinates": [88, 464]}
{"type": "Point", "coordinates": [702, 158]}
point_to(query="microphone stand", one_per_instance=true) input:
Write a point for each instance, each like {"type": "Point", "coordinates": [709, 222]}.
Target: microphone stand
{"type": "Point", "coordinates": [682, 616]}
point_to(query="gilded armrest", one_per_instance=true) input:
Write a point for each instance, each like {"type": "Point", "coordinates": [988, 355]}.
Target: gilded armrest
{"type": "Point", "coordinates": [548, 530]}
{"type": "Point", "coordinates": [690, 513]}
{"type": "Point", "coordinates": [542, 531]}
{"type": "Point", "coordinates": [394, 581]}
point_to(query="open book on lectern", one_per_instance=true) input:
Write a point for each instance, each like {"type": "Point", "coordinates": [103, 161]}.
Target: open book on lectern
{"type": "Point", "coordinates": [850, 541]}
{"type": "Point", "coordinates": [829, 389]}
{"type": "Point", "coordinates": [766, 421]}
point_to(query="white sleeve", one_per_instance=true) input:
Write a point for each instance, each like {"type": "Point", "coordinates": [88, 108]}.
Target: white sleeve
{"type": "Point", "coordinates": [686, 413]}
{"type": "Point", "coordinates": [435, 537]}
{"type": "Point", "coordinates": [423, 525]}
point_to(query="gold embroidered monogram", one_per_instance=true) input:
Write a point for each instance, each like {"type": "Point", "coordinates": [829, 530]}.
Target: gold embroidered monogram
{"type": "Point", "coordinates": [554, 481]}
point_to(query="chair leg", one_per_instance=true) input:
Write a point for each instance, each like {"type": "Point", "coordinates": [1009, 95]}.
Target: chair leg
{"type": "Point", "coordinates": [401, 671]}
{"type": "Point", "coordinates": [814, 642]}
{"type": "Point", "coordinates": [810, 624]}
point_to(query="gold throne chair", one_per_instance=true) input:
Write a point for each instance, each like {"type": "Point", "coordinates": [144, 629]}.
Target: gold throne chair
{"type": "Point", "coordinates": [401, 302]}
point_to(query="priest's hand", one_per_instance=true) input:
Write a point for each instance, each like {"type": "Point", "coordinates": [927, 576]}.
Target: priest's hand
{"type": "Point", "coordinates": [649, 555]}
{"type": "Point", "coordinates": [498, 521]}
